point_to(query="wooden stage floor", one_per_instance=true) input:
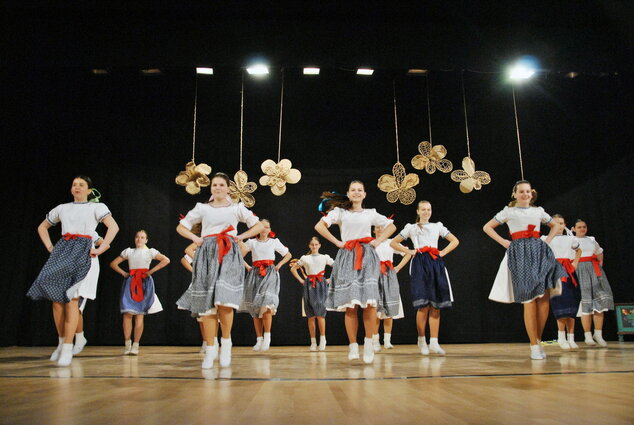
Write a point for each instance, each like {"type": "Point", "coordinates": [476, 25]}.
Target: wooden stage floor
{"type": "Point", "coordinates": [472, 384]}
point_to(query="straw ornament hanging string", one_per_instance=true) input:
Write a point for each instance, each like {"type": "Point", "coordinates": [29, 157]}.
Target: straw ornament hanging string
{"type": "Point", "coordinates": [195, 176]}
{"type": "Point", "coordinates": [276, 175]}
{"type": "Point", "coordinates": [468, 177]}
{"type": "Point", "coordinates": [398, 185]}
{"type": "Point", "coordinates": [517, 130]}
{"type": "Point", "coordinates": [240, 188]}
{"type": "Point", "coordinates": [431, 157]}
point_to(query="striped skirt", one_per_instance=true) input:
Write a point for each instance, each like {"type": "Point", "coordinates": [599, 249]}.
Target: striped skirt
{"type": "Point", "coordinates": [261, 293]}
{"type": "Point", "coordinates": [350, 287]}
{"type": "Point", "coordinates": [389, 295]}
{"type": "Point", "coordinates": [596, 293]}
{"type": "Point", "coordinates": [315, 298]}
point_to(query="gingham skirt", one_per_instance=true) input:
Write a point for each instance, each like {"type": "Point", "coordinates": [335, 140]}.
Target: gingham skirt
{"type": "Point", "coordinates": [214, 284]}
{"type": "Point", "coordinates": [596, 293]}
{"type": "Point", "coordinates": [261, 293]}
{"type": "Point", "coordinates": [389, 295]}
{"type": "Point", "coordinates": [315, 298]}
{"type": "Point", "coordinates": [349, 287]}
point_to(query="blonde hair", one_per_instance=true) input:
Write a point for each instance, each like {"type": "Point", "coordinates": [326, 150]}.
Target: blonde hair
{"type": "Point", "coordinates": [418, 206]}
{"type": "Point", "coordinates": [533, 193]}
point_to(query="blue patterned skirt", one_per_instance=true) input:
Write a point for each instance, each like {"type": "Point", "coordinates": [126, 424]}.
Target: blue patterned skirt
{"type": "Point", "coordinates": [429, 282]}
{"type": "Point", "coordinates": [261, 293]}
{"type": "Point", "coordinates": [315, 298]}
{"type": "Point", "coordinates": [596, 293]}
{"type": "Point", "coordinates": [67, 265]}
{"type": "Point", "coordinates": [349, 287]}
{"type": "Point", "coordinates": [389, 295]}
{"type": "Point", "coordinates": [567, 304]}
{"type": "Point", "coordinates": [128, 305]}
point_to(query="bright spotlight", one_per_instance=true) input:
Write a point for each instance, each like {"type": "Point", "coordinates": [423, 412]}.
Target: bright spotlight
{"type": "Point", "coordinates": [258, 69]}
{"type": "Point", "coordinates": [523, 69]}
{"type": "Point", "coordinates": [365, 71]}
{"type": "Point", "coordinates": [311, 71]}
{"type": "Point", "coordinates": [207, 71]}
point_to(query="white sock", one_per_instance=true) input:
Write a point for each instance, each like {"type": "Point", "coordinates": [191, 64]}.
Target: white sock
{"type": "Point", "coordinates": [225, 352]}
{"type": "Point", "coordinates": [587, 336]}
{"type": "Point", "coordinates": [376, 343]}
{"type": "Point", "coordinates": [421, 341]}
{"type": "Point", "coordinates": [571, 341]}
{"type": "Point", "coordinates": [536, 352]}
{"type": "Point", "coordinates": [128, 346]}
{"type": "Point", "coordinates": [266, 343]}
{"type": "Point", "coordinates": [322, 343]}
{"type": "Point", "coordinates": [313, 341]}
{"type": "Point", "coordinates": [135, 348]}
{"type": "Point", "coordinates": [210, 356]}
{"type": "Point", "coordinates": [258, 343]}
{"type": "Point", "coordinates": [435, 347]}
{"type": "Point", "coordinates": [561, 335]}
{"type": "Point", "coordinates": [66, 355]}
{"type": "Point", "coordinates": [387, 343]}
{"type": "Point", "coordinates": [55, 355]}
{"type": "Point", "coordinates": [368, 350]}
{"type": "Point", "coordinates": [353, 351]}
{"type": "Point", "coordinates": [598, 337]}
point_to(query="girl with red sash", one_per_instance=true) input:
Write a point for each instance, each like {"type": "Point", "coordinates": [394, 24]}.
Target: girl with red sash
{"type": "Point", "coordinates": [431, 289]}
{"type": "Point", "coordinates": [218, 273]}
{"type": "Point", "coordinates": [262, 284]}
{"type": "Point", "coordinates": [137, 292]}
{"type": "Point", "coordinates": [529, 270]}
{"type": "Point", "coordinates": [355, 272]}
{"type": "Point", "coordinates": [565, 307]}
{"type": "Point", "coordinates": [315, 290]}
{"type": "Point", "coordinates": [72, 270]}
{"type": "Point", "coordinates": [596, 293]}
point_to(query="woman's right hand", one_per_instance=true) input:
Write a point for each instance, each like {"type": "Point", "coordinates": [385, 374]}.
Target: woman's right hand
{"type": "Point", "coordinates": [505, 243]}
{"type": "Point", "coordinates": [340, 244]}
{"type": "Point", "coordinates": [197, 240]}
{"type": "Point", "coordinates": [125, 275]}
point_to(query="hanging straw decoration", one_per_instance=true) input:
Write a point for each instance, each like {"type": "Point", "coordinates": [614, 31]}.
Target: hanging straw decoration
{"type": "Point", "coordinates": [468, 177]}
{"type": "Point", "coordinates": [517, 130]}
{"type": "Point", "coordinates": [431, 157]}
{"type": "Point", "coordinates": [278, 174]}
{"type": "Point", "coordinates": [399, 186]}
{"type": "Point", "coordinates": [240, 188]}
{"type": "Point", "coordinates": [195, 176]}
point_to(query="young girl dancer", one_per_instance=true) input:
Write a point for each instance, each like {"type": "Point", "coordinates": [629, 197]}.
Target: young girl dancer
{"type": "Point", "coordinates": [565, 307]}
{"type": "Point", "coordinates": [218, 273]}
{"type": "Point", "coordinates": [596, 293]}
{"type": "Point", "coordinates": [262, 284]}
{"type": "Point", "coordinates": [71, 271]}
{"type": "Point", "coordinates": [315, 290]}
{"type": "Point", "coordinates": [137, 293]}
{"type": "Point", "coordinates": [390, 305]}
{"type": "Point", "coordinates": [529, 269]}
{"type": "Point", "coordinates": [430, 286]}
{"type": "Point", "coordinates": [355, 272]}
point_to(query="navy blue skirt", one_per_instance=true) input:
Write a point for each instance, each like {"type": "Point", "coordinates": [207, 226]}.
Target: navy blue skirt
{"type": "Point", "coordinates": [128, 305]}
{"type": "Point", "coordinates": [315, 298]}
{"type": "Point", "coordinates": [429, 282]}
{"type": "Point", "coordinates": [567, 304]}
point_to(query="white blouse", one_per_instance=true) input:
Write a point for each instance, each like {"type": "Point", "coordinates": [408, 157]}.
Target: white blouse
{"type": "Point", "coordinates": [216, 219]}
{"type": "Point", "coordinates": [386, 252]}
{"type": "Point", "coordinates": [425, 235]}
{"type": "Point", "coordinates": [313, 264]}
{"type": "Point", "coordinates": [139, 258]}
{"type": "Point", "coordinates": [79, 218]}
{"type": "Point", "coordinates": [563, 246]}
{"type": "Point", "coordinates": [589, 246]}
{"type": "Point", "coordinates": [356, 224]}
{"type": "Point", "coordinates": [518, 218]}
{"type": "Point", "coordinates": [265, 250]}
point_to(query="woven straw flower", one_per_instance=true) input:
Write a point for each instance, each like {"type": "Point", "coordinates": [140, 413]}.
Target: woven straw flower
{"type": "Point", "coordinates": [277, 175]}
{"type": "Point", "coordinates": [240, 189]}
{"type": "Point", "coordinates": [194, 177]}
{"type": "Point", "coordinates": [399, 186]}
{"type": "Point", "coordinates": [431, 158]}
{"type": "Point", "coordinates": [469, 178]}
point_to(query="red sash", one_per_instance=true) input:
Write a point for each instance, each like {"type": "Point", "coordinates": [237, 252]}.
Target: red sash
{"type": "Point", "coordinates": [431, 251]}
{"type": "Point", "coordinates": [526, 234]}
{"type": "Point", "coordinates": [570, 269]}
{"type": "Point", "coordinates": [136, 286]}
{"type": "Point", "coordinates": [386, 265]}
{"type": "Point", "coordinates": [68, 236]}
{"type": "Point", "coordinates": [358, 250]}
{"type": "Point", "coordinates": [314, 278]}
{"type": "Point", "coordinates": [595, 263]}
{"type": "Point", "coordinates": [224, 242]}
{"type": "Point", "coordinates": [263, 264]}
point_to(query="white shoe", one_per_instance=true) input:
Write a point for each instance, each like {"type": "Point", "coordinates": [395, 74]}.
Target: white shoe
{"type": "Point", "coordinates": [322, 344]}
{"type": "Point", "coordinates": [536, 352]}
{"type": "Point", "coordinates": [571, 342]}
{"type": "Point", "coordinates": [313, 347]}
{"type": "Point", "coordinates": [135, 349]}
{"type": "Point", "coordinates": [541, 348]}
{"type": "Point", "coordinates": [128, 347]}
{"type": "Point", "coordinates": [80, 343]}
{"type": "Point", "coordinates": [208, 361]}
{"type": "Point", "coordinates": [376, 344]}
{"type": "Point", "coordinates": [421, 341]}
{"type": "Point", "coordinates": [368, 350]}
{"type": "Point", "coordinates": [563, 344]}
{"type": "Point", "coordinates": [258, 344]}
{"type": "Point", "coordinates": [353, 351]}
{"type": "Point", "coordinates": [424, 350]}
{"type": "Point", "coordinates": [590, 342]}
{"type": "Point", "coordinates": [225, 352]}
{"type": "Point", "coordinates": [55, 355]}
{"type": "Point", "coordinates": [203, 347]}
{"type": "Point", "coordinates": [387, 341]}
{"type": "Point", "coordinates": [434, 347]}
{"type": "Point", "coordinates": [66, 355]}
{"type": "Point", "coordinates": [599, 339]}
{"type": "Point", "coordinates": [266, 342]}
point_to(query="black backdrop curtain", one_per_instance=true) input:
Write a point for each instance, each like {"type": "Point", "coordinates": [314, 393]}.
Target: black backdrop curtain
{"type": "Point", "coordinates": [132, 135]}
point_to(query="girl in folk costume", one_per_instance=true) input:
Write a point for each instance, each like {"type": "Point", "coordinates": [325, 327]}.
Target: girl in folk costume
{"type": "Point", "coordinates": [218, 273]}
{"type": "Point", "coordinates": [529, 270]}
{"type": "Point", "coordinates": [72, 269]}
{"type": "Point", "coordinates": [390, 305]}
{"type": "Point", "coordinates": [356, 270]}
{"type": "Point", "coordinates": [315, 290]}
{"type": "Point", "coordinates": [430, 286]}
{"type": "Point", "coordinates": [565, 307]}
{"type": "Point", "coordinates": [596, 293]}
{"type": "Point", "coordinates": [262, 284]}
{"type": "Point", "coordinates": [137, 292]}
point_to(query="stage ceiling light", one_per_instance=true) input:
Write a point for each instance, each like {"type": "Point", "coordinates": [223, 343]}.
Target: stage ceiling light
{"type": "Point", "coordinates": [206, 71]}
{"type": "Point", "coordinates": [258, 70]}
{"type": "Point", "coordinates": [99, 71]}
{"type": "Point", "coordinates": [311, 71]}
{"type": "Point", "coordinates": [523, 69]}
{"type": "Point", "coordinates": [572, 74]}
{"type": "Point", "coordinates": [365, 71]}
{"type": "Point", "coordinates": [151, 71]}
{"type": "Point", "coordinates": [417, 71]}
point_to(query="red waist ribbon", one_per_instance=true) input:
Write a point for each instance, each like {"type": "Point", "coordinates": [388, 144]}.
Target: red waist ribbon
{"type": "Point", "coordinates": [358, 250]}
{"type": "Point", "coordinates": [224, 242]}
{"type": "Point", "coordinates": [262, 265]}
{"type": "Point", "coordinates": [68, 236]}
{"type": "Point", "coordinates": [385, 265]}
{"type": "Point", "coordinates": [595, 263]}
{"type": "Point", "coordinates": [136, 286]}
{"type": "Point", "coordinates": [526, 234]}
{"type": "Point", "coordinates": [570, 269]}
{"type": "Point", "coordinates": [431, 251]}
{"type": "Point", "coordinates": [314, 278]}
